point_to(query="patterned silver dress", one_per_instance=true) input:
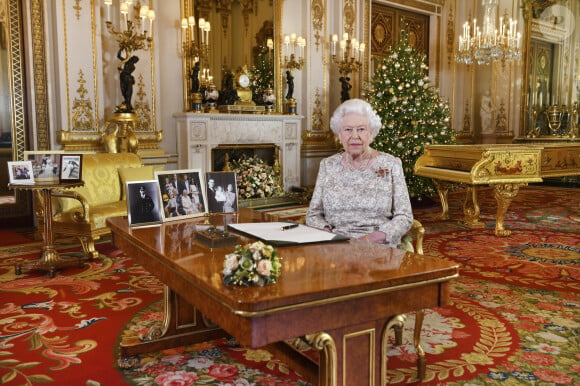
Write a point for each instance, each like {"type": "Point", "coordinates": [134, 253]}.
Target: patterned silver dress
{"type": "Point", "coordinates": [357, 202]}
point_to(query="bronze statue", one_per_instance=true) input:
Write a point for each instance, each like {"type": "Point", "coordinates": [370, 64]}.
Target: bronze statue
{"type": "Point", "coordinates": [290, 83]}
{"type": "Point", "coordinates": [126, 68]}
{"type": "Point", "coordinates": [345, 86]}
{"type": "Point", "coordinates": [194, 75]}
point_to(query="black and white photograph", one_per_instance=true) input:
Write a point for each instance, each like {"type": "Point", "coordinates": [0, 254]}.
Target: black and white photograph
{"type": "Point", "coordinates": [20, 172]}
{"type": "Point", "coordinates": [181, 193]}
{"type": "Point", "coordinates": [143, 206]}
{"type": "Point", "coordinates": [222, 192]}
{"type": "Point", "coordinates": [45, 164]}
{"type": "Point", "coordinates": [70, 167]}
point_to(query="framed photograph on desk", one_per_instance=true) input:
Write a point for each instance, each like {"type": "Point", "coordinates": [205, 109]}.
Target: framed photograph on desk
{"type": "Point", "coordinates": [143, 206]}
{"type": "Point", "coordinates": [20, 172]}
{"type": "Point", "coordinates": [222, 192]}
{"type": "Point", "coordinates": [181, 194]}
{"type": "Point", "coordinates": [45, 164]}
{"type": "Point", "coordinates": [70, 167]}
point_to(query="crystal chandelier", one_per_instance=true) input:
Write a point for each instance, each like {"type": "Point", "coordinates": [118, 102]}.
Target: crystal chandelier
{"type": "Point", "coordinates": [493, 42]}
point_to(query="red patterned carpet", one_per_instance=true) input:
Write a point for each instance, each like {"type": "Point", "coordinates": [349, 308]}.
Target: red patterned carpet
{"type": "Point", "coordinates": [514, 316]}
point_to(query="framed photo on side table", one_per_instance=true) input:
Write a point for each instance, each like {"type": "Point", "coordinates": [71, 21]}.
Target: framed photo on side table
{"type": "Point", "coordinates": [45, 164]}
{"type": "Point", "coordinates": [222, 192]}
{"type": "Point", "coordinates": [71, 167]}
{"type": "Point", "coordinates": [20, 172]}
{"type": "Point", "coordinates": [181, 194]}
{"type": "Point", "coordinates": [143, 206]}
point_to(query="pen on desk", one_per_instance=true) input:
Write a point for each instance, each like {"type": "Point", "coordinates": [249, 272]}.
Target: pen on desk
{"type": "Point", "coordinates": [291, 226]}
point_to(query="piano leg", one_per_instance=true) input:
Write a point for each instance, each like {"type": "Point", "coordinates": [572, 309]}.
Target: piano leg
{"type": "Point", "coordinates": [442, 190]}
{"type": "Point", "coordinates": [504, 194]}
{"type": "Point", "coordinates": [471, 208]}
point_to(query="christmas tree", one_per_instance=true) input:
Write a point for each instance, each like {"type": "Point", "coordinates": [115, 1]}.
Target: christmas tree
{"type": "Point", "coordinates": [411, 110]}
{"type": "Point", "coordinates": [262, 75]}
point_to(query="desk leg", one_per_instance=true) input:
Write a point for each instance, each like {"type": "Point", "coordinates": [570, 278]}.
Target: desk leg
{"type": "Point", "coordinates": [182, 325]}
{"type": "Point", "coordinates": [351, 356]}
{"type": "Point", "coordinates": [50, 259]}
{"type": "Point", "coordinates": [504, 194]}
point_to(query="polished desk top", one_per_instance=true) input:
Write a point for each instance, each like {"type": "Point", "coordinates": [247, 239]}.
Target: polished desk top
{"type": "Point", "coordinates": [313, 275]}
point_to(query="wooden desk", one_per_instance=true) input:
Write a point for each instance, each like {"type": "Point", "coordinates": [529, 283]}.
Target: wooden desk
{"type": "Point", "coordinates": [49, 260]}
{"type": "Point", "coordinates": [340, 294]}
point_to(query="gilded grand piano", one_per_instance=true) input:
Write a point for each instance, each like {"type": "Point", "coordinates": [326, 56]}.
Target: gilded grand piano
{"type": "Point", "coordinates": [505, 167]}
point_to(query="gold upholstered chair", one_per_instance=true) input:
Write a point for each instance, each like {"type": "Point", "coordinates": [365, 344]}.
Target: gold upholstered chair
{"type": "Point", "coordinates": [82, 212]}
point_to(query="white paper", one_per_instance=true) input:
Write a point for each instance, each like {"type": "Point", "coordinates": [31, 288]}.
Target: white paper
{"type": "Point", "coordinates": [273, 231]}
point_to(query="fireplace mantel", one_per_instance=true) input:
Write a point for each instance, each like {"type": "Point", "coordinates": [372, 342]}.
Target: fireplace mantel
{"type": "Point", "coordinates": [199, 133]}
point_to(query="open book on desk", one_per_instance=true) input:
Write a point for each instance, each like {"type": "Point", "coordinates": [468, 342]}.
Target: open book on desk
{"type": "Point", "coordinates": [273, 233]}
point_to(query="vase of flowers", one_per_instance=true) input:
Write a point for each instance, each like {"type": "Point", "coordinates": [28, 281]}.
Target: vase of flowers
{"type": "Point", "coordinates": [252, 264]}
{"type": "Point", "coordinates": [255, 178]}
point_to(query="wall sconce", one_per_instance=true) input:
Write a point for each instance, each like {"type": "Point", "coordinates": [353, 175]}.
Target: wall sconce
{"type": "Point", "coordinates": [196, 54]}
{"type": "Point", "coordinates": [349, 60]}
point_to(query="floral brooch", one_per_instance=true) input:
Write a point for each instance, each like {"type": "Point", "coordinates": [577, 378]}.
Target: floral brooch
{"type": "Point", "coordinates": [382, 172]}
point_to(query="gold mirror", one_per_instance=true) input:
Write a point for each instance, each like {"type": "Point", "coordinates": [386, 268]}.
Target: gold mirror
{"type": "Point", "coordinates": [551, 68]}
{"type": "Point", "coordinates": [12, 105]}
{"type": "Point", "coordinates": [238, 36]}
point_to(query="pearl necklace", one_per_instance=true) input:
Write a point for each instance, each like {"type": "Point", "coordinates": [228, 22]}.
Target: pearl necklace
{"type": "Point", "coordinates": [364, 164]}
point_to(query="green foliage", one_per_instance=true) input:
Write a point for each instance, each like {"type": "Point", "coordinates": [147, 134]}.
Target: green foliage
{"type": "Point", "coordinates": [411, 110]}
{"type": "Point", "coordinates": [262, 75]}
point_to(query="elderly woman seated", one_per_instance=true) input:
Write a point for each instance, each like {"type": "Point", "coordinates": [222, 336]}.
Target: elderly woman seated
{"type": "Point", "coordinates": [361, 192]}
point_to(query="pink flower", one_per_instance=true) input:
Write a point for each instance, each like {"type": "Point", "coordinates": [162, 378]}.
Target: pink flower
{"type": "Point", "coordinates": [222, 372]}
{"type": "Point", "coordinates": [264, 267]}
{"type": "Point", "coordinates": [548, 375]}
{"type": "Point", "coordinates": [176, 378]}
{"type": "Point", "coordinates": [230, 263]}
{"type": "Point", "coordinates": [527, 326]}
{"type": "Point", "coordinates": [538, 359]}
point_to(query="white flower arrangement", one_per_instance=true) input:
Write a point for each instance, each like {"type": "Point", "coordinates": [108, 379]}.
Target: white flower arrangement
{"type": "Point", "coordinates": [252, 264]}
{"type": "Point", "coordinates": [256, 179]}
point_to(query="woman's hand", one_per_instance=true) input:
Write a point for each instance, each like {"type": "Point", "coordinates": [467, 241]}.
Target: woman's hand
{"type": "Point", "coordinates": [376, 237]}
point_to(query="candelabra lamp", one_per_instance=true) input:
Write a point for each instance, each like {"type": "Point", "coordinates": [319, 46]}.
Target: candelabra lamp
{"type": "Point", "coordinates": [348, 60]}
{"type": "Point", "coordinates": [195, 49]}
{"type": "Point", "coordinates": [132, 35]}
{"type": "Point", "coordinates": [294, 49]}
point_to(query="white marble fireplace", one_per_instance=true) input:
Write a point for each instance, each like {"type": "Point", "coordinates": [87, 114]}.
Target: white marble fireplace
{"type": "Point", "coordinates": [199, 133]}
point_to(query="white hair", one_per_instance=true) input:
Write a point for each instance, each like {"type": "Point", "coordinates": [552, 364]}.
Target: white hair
{"type": "Point", "coordinates": [355, 106]}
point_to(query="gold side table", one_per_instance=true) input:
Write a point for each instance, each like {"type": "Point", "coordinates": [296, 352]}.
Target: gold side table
{"type": "Point", "coordinates": [50, 259]}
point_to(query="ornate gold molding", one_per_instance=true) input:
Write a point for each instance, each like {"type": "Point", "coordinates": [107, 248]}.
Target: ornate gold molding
{"type": "Point", "coordinates": [82, 111]}
{"type": "Point", "coordinates": [16, 67]}
{"type": "Point", "coordinates": [450, 34]}
{"type": "Point", "coordinates": [39, 74]}
{"type": "Point", "coordinates": [317, 11]}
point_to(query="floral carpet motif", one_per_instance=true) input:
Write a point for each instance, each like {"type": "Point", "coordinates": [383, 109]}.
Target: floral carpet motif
{"type": "Point", "coordinates": [542, 259]}
{"type": "Point", "coordinates": [513, 318]}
